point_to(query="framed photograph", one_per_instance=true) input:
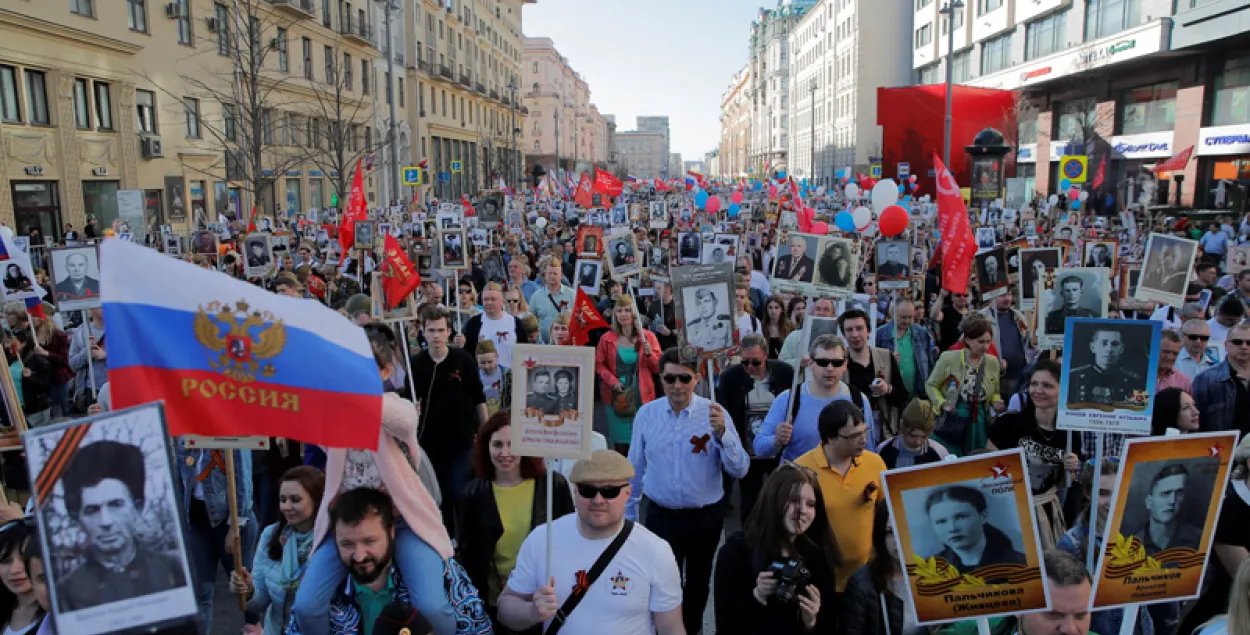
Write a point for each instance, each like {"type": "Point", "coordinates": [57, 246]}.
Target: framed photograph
{"type": "Point", "coordinates": [265, 224]}
{"type": "Point", "coordinates": [703, 299]}
{"type": "Point", "coordinates": [992, 272]}
{"type": "Point", "coordinates": [23, 243]}
{"type": "Point", "coordinates": [1109, 375]}
{"type": "Point", "coordinates": [1101, 253]}
{"type": "Point", "coordinates": [1033, 265]}
{"type": "Point", "coordinates": [172, 244]}
{"type": "Point", "coordinates": [479, 237]}
{"type": "Point", "coordinates": [623, 250]}
{"type": "Point", "coordinates": [620, 215]}
{"type": "Point", "coordinates": [753, 240]}
{"type": "Point", "coordinates": [986, 238]}
{"type": "Point", "coordinates": [589, 275]}
{"type": "Point", "coordinates": [715, 253]}
{"type": "Point", "coordinates": [836, 267]}
{"type": "Point", "coordinates": [731, 243]}
{"type": "Point", "coordinates": [1130, 276]}
{"type": "Point", "coordinates": [1238, 259]}
{"type": "Point", "coordinates": [552, 401]}
{"type": "Point", "coordinates": [448, 220]}
{"type": "Point", "coordinates": [1161, 519]}
{"type": "Point", "coordinates": [794, 268]}
{"type": "Point", "coordinates": [966, 531]}
{"type": "Point", "coordinates": [1075, 292]}
{"type": "Point", "coordinates": [589, 241]}
{"type": "Point", "coordinates": [1165, 269]}
{"type": "Point", "coordinates": [689, 248]}
{"type": "Point", "coordinates": [452, 248]}
{"type": "Point", "coordinates": [494, 267]}
{"type": "Point", "coordinates": [1070, 233]}
{"type": "Point", "coordinates": [121, 461]}
{"type": "Point", "coordinates": [893, 264]}
{"type": "Point", "coordinates": [364, 234]}
{"type": "Point", "coordinates": [659, 260]}
{"type": "Point", "coordinates": [490, 209]}
{"type": "Point", "coordinates": [75, 278]}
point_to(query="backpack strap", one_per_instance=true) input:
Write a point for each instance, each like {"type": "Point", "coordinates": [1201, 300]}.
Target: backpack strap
{"type": "Point", "coordinates": [596, 570]}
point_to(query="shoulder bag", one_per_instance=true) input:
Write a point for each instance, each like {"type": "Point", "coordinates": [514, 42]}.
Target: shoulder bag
{"type": "Point", "coordinates": [949, 426]}
{"type": "Point", "coordinates": [596, 570]}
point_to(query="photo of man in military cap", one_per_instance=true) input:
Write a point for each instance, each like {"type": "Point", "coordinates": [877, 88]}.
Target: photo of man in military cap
{"type": "Point", "coordinates": [712, 327]}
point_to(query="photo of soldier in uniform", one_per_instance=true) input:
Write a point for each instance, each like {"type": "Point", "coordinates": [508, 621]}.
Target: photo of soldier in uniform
{"type": "Point", "coordinates": [1110, 364]}
{"type": "Point", "coordinates": [363, 234]}
{"type": "Point", "coordinates": [794, 262]}
{"type": "Point", "coordinates": [1078, 293]}
{"type": "Point", "coordinates": [992, 272]}
{"type": "Point", "coordinates": [1167, 503]}
{"type": "Point", "coordinates": [836, 266]}
{"type": "Point", "coordinates": [258, 254]}
{"type": "Point", "coordinates": [714, 254]}
{"type": "Point", "coordinates": [689, 247]}
{"type": "Point", "coordinates": [553, 389]}
{"type": "Point", "coordinates": [1165, 269]}
{"type": "Point", "coordinates": [892, 261]}
{"type": "Point", "coordinates": [710, 326]}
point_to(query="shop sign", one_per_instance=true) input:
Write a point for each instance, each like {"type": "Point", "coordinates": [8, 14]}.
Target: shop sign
{"type": "Point", "coordinates": [1224, 140]}
{"type": "Point", "coordinates": [1037, 72]}
{"type": "Point", "coordinates": [34, 170]}
{"type": "Point", "coordinates": [1026, 153]}
{"type": "Point", "coordinates": [1148, 145]}
{"type": "Point", "coordinates": [1098, 54]}
{"type": "Point", "coordinates": [1058, 149]}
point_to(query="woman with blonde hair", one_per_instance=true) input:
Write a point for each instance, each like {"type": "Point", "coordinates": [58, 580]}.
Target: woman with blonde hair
{"type": "Point", "coordinates": [626, 360]}
{"type": "Point", "coordinates": [1237, 620]}
{"type": "Point", "coordinates": [514, 301]}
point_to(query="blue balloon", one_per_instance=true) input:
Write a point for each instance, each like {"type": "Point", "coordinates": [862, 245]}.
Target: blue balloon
{"type": "Point", "coordinates": [1065, 185]}
{"type": "Point", "coordinates": [907, 198]}
{"type": "Point", "coordinates": [1076, 204]}
{"type": "Point", "coordinates": [844, 221]}
{"type": "Point", "coordinates": [700, 199]}
{"type": "Point", "coordinates": [901, 189]}
{"type": "Point", "coordinates": [781, 174]}
{"type": "Point", "coordinates": [733, 210]}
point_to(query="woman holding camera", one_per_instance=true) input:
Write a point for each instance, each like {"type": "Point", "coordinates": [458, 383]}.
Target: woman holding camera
{"type": "Point", "coordinates": [778, 576]}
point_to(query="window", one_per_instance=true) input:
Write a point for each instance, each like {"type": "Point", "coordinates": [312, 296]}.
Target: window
{"type": "Point", "coordinates": [401, 92]}
{"type": "Point", "coordinates": [191, 106]}
{"type": "Point", "coordinates": [284, 60]}
{"type": "Point", "coordinates": [145, 105]}
{"type": "Point", "coordinates": [82, 7]}
{"type": "Point", "coordinates": [266, 126]}
{"type": "Point", "coordinates": [184, 22]}
{"type": "Point", "coordinates": [959, 21]}
{"type": "Point", "coordinates": [347, 71]}
{"type": "Point", "coordinates": [1077, 120]}
{"type": "Point", "coordinates": [82, 107]}
{"type": "Point", "coordinates": [307, 49]}
{"type": "Point", "coordinates": [223, 28]}
{"type": "Point", "coordinates": [1148, 109]}
{"type": "Point", "coordinates": [1045, 36]}
{"type": "Point", "coordinates": [961, 66]}
{"type": "Point", "coordinates": [996, 54]}
{"type": "Point", "coordinates": [137, 15]}
{"type": "Point", "coordinates": [364, 76]}
{"type": "Point", "coordinates": [1107, 17]}
{"type": "Point", "coordinates": [389, 88]}
{"type": "Point", "coordinates": [924, 35]}
{"type": "Point", "coordinates": [1232, 94]}
{"type": "Point", "coordinates": [325, 13]}
{"type": "Point", "coordinates": [985, 6]}
{"type": "Point", "coordinates": [535, 67]}
{"type": "Point", "coordinates": [329, 60]}
{"type": "Point", "coordinates": [10, 109]}
{"type": "Point", "coordinates": [37, 97]}
{"type": "Point", "coordinates": [103, 107]}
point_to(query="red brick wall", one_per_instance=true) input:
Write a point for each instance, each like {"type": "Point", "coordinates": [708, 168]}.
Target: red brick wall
{"type": "Point", "coordinates": [1185, 134]}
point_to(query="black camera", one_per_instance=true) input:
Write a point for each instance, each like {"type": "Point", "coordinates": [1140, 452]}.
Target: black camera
{"type": "Point", "coordinates": [792, 577]}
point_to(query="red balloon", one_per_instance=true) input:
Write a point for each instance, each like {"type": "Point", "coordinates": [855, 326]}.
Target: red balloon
{"type": "Point", "coordinates": [713, 205]}
{"type": "Point", "coordinates": [736, 197]}
{"type": "Point", "coordinates": [893, 220]}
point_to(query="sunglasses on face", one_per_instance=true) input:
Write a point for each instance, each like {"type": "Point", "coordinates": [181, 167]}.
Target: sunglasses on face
{"type": "Point", "coordinates": [752, 362]}
{"type": "Point", "coordinates": [825, 362]}
{"type": "Point", "coordinates": [1198, 338]}
{"type": "Point", "coordinates": [1239, 342]}
{"type": "Point", "coordinates": [514, 301]}
{"type": "Point", "coordinates": [608, 492]}
{"type": "Point", "coordinates": [684, 378]}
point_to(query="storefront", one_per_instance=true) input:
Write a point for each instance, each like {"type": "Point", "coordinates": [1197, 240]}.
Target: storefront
{"type": "Point", "coordinates": [37, 204]}
{"type": "Point", "coordinates": [99, 201]}
{"type": "Point", "coordinates": [1223, 155]}
{"type": "Point", "coordinates": [1132, 156]}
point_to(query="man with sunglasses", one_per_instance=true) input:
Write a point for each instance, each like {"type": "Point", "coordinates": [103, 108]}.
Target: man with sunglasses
{"type": "Point", "coordinates": [1193, 358]}
{"type": "Point", "coordinates": [681, 445]}
{"type": "Point", "coordinates": [1221, 391]}
{"type": "Point", "coordinates": [791, 349]}
{"type": "Point", "coordinates": [638, 593]}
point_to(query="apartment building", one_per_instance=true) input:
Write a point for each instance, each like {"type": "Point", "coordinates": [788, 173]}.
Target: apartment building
{"type": "Point", "coordinates": [642, 153]}
{"type": "Point", "coordinates": [770, 85]}
{"type": "Point", "coordinates": [137, 101]}
{"type": "Point", "coordinates": [659, 124]}
{"type": "Point", "coordinates": [735, 122]}
{"type": "Point", "coordinates": [564, 128]}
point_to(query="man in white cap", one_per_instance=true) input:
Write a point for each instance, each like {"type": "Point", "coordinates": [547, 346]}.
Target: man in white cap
{"type": "Point", "coordinates": [638, 587]}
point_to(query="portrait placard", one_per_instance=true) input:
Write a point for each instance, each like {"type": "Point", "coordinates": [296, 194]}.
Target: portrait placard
{"type": "Point", "coordinates": [1130, 276]}
{"type": "Point", "coordinates": [1033, 264]}
{"type": "Point", "coordinates": [894, 266]}
{"type": "Point", "coordinates": [121, 461]}
{"type": "Point", "coordinates": [1102, 253]}
{"type": "Point", "coordinates": [258, 248]}
{"type": "Point", "coordinates": [1238, 259]}
{"type": "Point", "coordinates": [589, 275]}
{"type": "Point", "coordinates": [703, 298]}
{"type": "Point", "coordinates": [589, 241]}
{"type": "Point", "coordinates": [1165, 269]}
{"type": "Point", "coordinates": [659, 215]}
{"type": "Point", "coordinates": [966, 532]}
{"type": "Point", "coordinates": [836, 267]}
{"type": "Point", "coordinates": [1109, 375]}
{"type": "Point", "coordinates": [1069, 292]}
{"type": "Point", "coordinates": [794, 267]}
{"type": "Point", "coordinates": [1161, 522]}
{"type": "Point", "coordinates": [623, 251]}
{"type": "Point", "coordinates": [992, 272]}
{"type": "Point", "coordinates": [689, 247]}
{"type": "Point", "coordinates": [552, 401]}
{"type": "Point", "coordinates": [452, 248]}
{"type": "Point", "coordinates": [75, 277]}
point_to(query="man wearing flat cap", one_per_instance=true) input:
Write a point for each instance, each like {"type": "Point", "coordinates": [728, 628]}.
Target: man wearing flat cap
{"type": "Point", "coordinates": [638, 592]}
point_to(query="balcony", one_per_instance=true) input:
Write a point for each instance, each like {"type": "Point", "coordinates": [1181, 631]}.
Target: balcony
{"type": "Point", "coordinates": [464, 80]}
{"type": "Point", "coordinates": [423, 66]}
{"type": "Point", "coordinates": [478, 87]}
{"type": "Point", "coordinates": [444, 70]}
{"type": "Point", "coordinates": [297, 8]}
{"type": "Point", "coordinates": [360, 33]}
{"type": "Point", "coordinates": [494, 94]}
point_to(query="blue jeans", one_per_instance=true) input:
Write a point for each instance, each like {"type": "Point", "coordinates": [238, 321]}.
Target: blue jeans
{"type": "Point", "coordinates": [206, 547]}
{"type": "Point", "coordinates": [419, 564]}
{"type": "Point", "coordinates": [453, 473]}
{"type": "Point", "coordinates": [59, 393]}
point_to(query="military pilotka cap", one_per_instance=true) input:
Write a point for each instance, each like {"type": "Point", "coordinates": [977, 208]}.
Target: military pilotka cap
{"type": "Point", "coordinates": [603, 466]}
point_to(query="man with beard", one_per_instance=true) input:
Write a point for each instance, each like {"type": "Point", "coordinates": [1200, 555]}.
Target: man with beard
{"type": "Point", "coordinates": [1164, 527]}
{"type": "Point", "coordinates": [364, 534]}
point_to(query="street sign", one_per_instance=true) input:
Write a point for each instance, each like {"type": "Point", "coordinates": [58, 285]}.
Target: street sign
{"type": "Point", "coordinates": [444, 177]}
{"type": "Point", "coordinates": [456, 167]}
{"type": "Point", "coordinates": [904, 170]}
{"type": "Point", "coordinates": [1073, 168]}
{"type": "Point", "coordinates": [412, 176]}
{"type": "Point", "coordinates": [874, 171]}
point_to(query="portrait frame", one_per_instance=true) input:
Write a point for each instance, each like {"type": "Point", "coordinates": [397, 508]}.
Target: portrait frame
{"type": "Point", "coordinates": [1113, 250]}
{"type": "Point", "coordinates": [709, 253]}
{"type": "Point", "coordinates": [888, 277]}
{"type": "Point", "coordinates": [1238, 258]}
{"type": "Point", "coordinates": [687, 282]}
{"type": "Point", "coordinates": [1130, 276]}
{"type": "Point", "coordinates": [657, 215]}
{"type": "Point", "coordinates": [1049, 258]}
{"type": "Point", "coordinates": [1093, 298]}
{"type": "Point", "coordinates": [581, 265]}
{"type": "Point", "coordinates": [458, 236]}
{"type": "Point", "coordinates": [260, 270]}
{"type": "Point", "coordinates": [632, 264]}
{"type": "Point", "coordinates": [365, 232]}
{"type": "Point", "coordinates": [172, 244]}
{"type": "Point", "coordinates": [789, 274]}
{"type": "Point", "coordinates": [1000, 286]}
{"type": "Point", "coordinates": [689, 247]}
{"type": "Point", "coordinates": [64, 295]}
{"type": "Point", "coordinates": [732, 242]}
{"type": "Point", "coordinates": [828, 279]}
{"type": "Point", "coordinates": [205, 243]}
{"type": "Point", "coordinates": [1165, 277]}
{"type": "Point", "coordinates": [50, 454]}
{"type": "Point", "coordinates": [1127, 573]}
{"type": "Point", "coordinates": [986, 237]}
{"type": "Point", "coordinates": [539, 427]}
{"type": "Point", "coordinates": [1000, 479]}
{"type": "Point", "coordinates": [585, 232]}
{"type": "Point", "coordinates": [1085, 402]}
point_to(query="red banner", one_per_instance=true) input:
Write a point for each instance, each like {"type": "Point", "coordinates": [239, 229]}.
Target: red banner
{"type": "Point", "coordinates": [356, 210]}
{"type": "Point", "coordinates": [605, 183]}
{"type": "Point", "coordinates": [958, 244]}
{"type": "Point", "coordinates": [583, 196]}
{"type": "Point", "coordinates": [585, 319]}
{"type": "Point", "coordinates": [399, 278]}
{"type": "Point", "coordinates": [1177, 162]}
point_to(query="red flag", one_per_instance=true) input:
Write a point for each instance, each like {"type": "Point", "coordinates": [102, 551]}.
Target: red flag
{"type": "Point", "coordinates": [317, 287]}
{"type": "Point", "coordinates": [583, 196]}
{"type": "Point", "coordinates": [958, 245]}
{"type": "Point", "coordinates": [399, 278]}
{"type": "Point", "coordinates": [605, 183]}
{"type": "Point", "coordinates": [468, 207]}
{"type": "Point", "coordinates": [356, 211]}
{"type": "Point", "coordinates": [1101, 174]}
{"type": "Point", "coordinates": [585, 319]}
{"type": "Point", "coordinates": [1175, 163]}
{"type": "Point", "coordinates": [251, 221]}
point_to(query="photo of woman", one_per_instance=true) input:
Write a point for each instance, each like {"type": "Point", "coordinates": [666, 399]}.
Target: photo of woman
{"type": "Point", "coordinates": [14, 280]}
{"type": "Point", "coordinates": [958, 515]}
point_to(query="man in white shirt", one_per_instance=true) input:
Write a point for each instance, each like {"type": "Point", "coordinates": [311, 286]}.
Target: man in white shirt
{"type": "Point", "coordinates": [1193, 359]}
{"type": "Point", "coordinates": [1230, 312]}
{"type": "Point", "coordinates": [638, 593]}
{"type": "Point", "coordinates": [492, 325]}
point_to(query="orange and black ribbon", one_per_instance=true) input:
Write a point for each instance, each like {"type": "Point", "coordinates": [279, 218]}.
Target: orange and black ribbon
{"type": "Point", "coordinates": [583, 583]}
{"type": "Point", "coordinates": [699, 443]}
{"type": "Point", "coordinates": [58, 461]}
{"type": "Point", "coordinates": [218, 461]}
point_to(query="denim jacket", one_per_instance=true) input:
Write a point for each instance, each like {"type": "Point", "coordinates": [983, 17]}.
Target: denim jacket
{"type": "Point", "coordinates": [189, 467]}
{"type": "Point", "coordinates": [922, 347]}
{"type": "Point", "coordinates": [1216, 396]}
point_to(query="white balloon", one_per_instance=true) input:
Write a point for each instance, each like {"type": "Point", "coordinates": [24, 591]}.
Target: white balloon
{"type": "Point", "coordinates": [820, 191]}
{"type": "Point", "coordinates": [926, 198]}
{"type": "Point", "coordinates": [998, 202]}
{"type": "Point", "coordinates": [541, 223]}
{"type": "Point", "coordinates": [884, 194]}
{"type": "Point", "coordinates": [1084, 195]}
{"type": "Point", "coordinates": [1054, 198]}
{"type": "Point", "coordinates": [852, 190]}
{"type": "Point", "coordinates": [862, 217]}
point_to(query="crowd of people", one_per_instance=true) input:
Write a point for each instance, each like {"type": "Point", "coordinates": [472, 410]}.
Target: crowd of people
{"type": "Point", "coordinates": [750, 484]}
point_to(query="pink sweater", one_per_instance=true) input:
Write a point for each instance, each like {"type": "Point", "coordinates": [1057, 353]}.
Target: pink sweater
{"type": "Point", "coordinates": [415, 505]}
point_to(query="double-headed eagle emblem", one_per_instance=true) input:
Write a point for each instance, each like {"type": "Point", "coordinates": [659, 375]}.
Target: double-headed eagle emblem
{"type": "Point", "coordinates": [237, 341]}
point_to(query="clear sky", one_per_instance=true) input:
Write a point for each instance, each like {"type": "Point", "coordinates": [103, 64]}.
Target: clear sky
{"type": "Point", "coordinates": [653, 57]}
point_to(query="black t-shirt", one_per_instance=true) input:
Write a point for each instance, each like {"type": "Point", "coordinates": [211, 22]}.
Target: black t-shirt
{"type": "Point", "coordinates": [449, 392]}
{"type": "Point", "coordinates": [949, 327]}
{"type": "Point", "coordinates": [1043, 451]}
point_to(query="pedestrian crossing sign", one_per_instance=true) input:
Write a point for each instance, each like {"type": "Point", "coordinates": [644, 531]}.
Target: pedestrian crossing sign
{"type": "Point", "coordinates": [412, 176]}
{"type": "Point", "coordinates": [456, 167]}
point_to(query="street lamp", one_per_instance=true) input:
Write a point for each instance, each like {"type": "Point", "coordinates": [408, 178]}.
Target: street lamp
{"type": "Point", "coordinates": [390, 90]}
{"type": "Point", "coordinates": [811, 113]}
{"type": "Point", "coordinates": [515, 162]}
{"type": "Point", "coordinates": [949, 11]}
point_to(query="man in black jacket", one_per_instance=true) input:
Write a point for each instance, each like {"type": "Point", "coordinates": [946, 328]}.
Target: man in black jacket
{"type": "Point", "coordinates": [746, 391]}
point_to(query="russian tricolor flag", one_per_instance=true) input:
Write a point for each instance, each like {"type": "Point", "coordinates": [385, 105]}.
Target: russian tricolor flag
{"type": "Point", "coordinates": [631, 178]}
{"type": "Point", "coordinates": [231, 359]}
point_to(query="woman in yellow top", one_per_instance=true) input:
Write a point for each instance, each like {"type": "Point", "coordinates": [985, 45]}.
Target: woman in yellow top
{"type": "Point", "coordinates": [500, 507]}
{"type": "Point", "coordinates": [963, 388]}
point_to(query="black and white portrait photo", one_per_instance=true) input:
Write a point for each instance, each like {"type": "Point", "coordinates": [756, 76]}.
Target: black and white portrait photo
{"type": "Point", "coordinates": [495, 269]}
{"type": "Point", "coordinates": [173, 244]}
{"type": "Point", "coordinates": [1110, 363]}
{"type": "Point", "coordinates": [730, 242]}
{"type": "Point", "coordinates": [453, 249]}
{"type": "Point", "coordinates": [966, 525]}
{"type": "Point", "coordinates": [76, 276]}
{"type": "Point", "coordinates": [479, 237]}
{"type": "Point", "coordinates": [836, 266]}
{"type": "Point", "coordinates": [1033, 263]}
{"type": "Point", "coordinates": [364, 237]}
{"type": "Point", "coordinates": [986, 238]}
{"type": "Point", "coordinates": [258, 255]}
{"type": "Point", "coordinates": [893, 263]}
{"type": "Point", "coordinates": [992, 272]}
{"type": "Point", "coordinates": [265, 224]}
{"type": "Point", "coordinates": [589, 241]}
{"type": "Point", "coordinates": [1101, 253]}
{"type": "Point", "coordinates": [715, 253]}
{"type": "Point", "coordinates": [624, 254]}
{"type": "Point", "coordinates": [795, 262]}
{"type": "Point", "coordinates": [1168, 501]}
{"type": "Point", "coordinates": [1165, 269]}
{"type": "Point", "coordinates": [16, 279]}
{"type": "Point", "coordinates": [658, 215]}
{"type": "Point", "coordinates": [553, 389]}
{"type": "Point", "coordinates": [1067, 232]}
{"type": "Point", "coordinates": [619, 215]}
{"type": "Point", "coordinates": [658, 261]}
{"type": "Point", "coordinates": [117, 539]}
{"type": "Point", "coordinates": [490, 209]}
{"type": "Point", "coordinates": [709, 316]}
{"type": "Point", "coordinates": [589, 274]}
{"type": "Point", "coordinates": [689, 247]}
{"type": "Point", "coordinates": [1077, 293]}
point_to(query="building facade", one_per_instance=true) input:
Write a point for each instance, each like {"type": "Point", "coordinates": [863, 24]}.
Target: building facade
{"type": "Point", "coordinates": [642, 153]}
{"type": "Point", "coordinates": [120, 108]}
{"type": "Point", "coordinates": [770, 85]}
{"type": "Point", "coordinates": [735, 121]}
{"type": "Point", "coordinates": [563, 122]}
{"type": "Point", "coordinates": [675, 164]}
{"type": "Point", "coordinates": [659, 124]}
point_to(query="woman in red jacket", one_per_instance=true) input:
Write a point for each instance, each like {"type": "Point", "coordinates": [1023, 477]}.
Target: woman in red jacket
{"type": "Point", "coordinates": [626, 360]}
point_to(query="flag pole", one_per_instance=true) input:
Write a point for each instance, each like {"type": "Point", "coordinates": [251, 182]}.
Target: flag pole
{"type": "Point", "coordinates": [86, 323]}
{"type": "Point", "coordinates": [236, 546]}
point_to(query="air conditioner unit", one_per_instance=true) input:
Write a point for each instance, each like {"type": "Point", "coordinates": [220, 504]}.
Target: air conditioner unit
{"type": "Point", "coordinates": [173, 10]}
{"type": "Point", "coordinates": [152, 148]}
{"type": "Point", "coordinates": [212, 25]}
{"type": "Point", "coordinates": [275, 44]}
